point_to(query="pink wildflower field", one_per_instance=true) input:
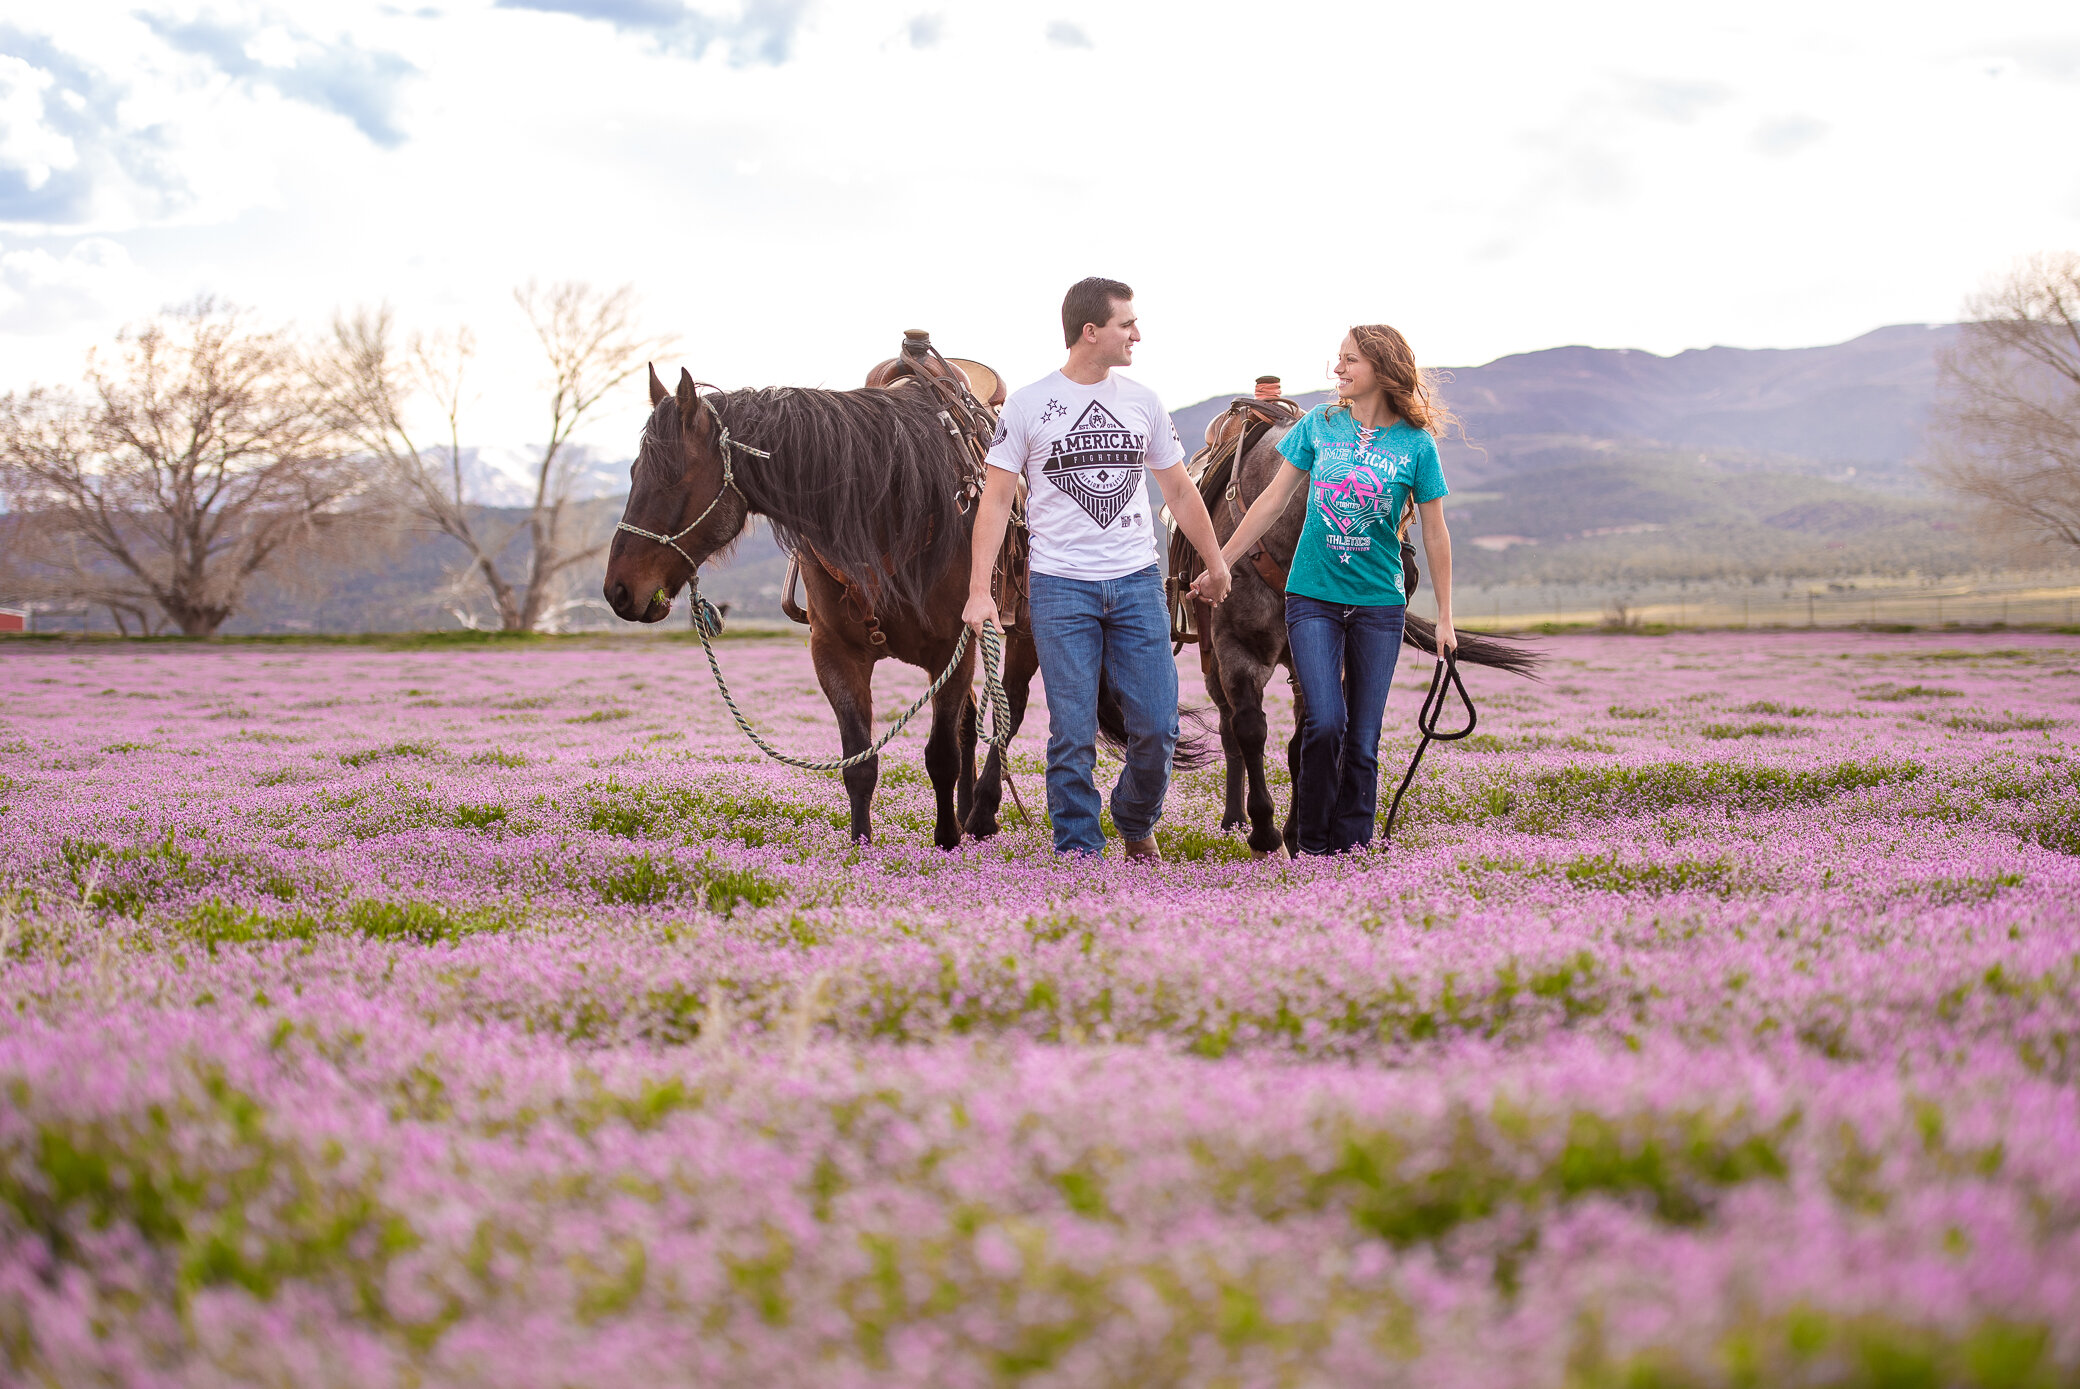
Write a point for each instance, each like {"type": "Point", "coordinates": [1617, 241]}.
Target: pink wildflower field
{"type": "Point", "coordinates": [493, 1014]}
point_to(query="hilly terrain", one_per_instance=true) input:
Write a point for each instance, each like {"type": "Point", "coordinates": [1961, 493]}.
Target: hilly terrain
{"type": "Point", "coordinates": [1577, 466]}
{"type": "Point", "coordinates": [1582, 465]}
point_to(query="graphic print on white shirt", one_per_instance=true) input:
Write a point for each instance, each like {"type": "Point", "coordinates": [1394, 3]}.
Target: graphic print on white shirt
{"type": "Point", "coordinates": [1098, 463]}
{"type": "Point", "coordinates": [1085, 452]}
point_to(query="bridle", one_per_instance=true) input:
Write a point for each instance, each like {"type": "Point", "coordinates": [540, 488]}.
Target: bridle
{"type": "Point", "coordinates": [728, 448]}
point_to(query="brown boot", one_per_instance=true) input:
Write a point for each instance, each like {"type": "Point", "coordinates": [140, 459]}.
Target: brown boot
{"type": "Point", "coordinates": [1145, 849]}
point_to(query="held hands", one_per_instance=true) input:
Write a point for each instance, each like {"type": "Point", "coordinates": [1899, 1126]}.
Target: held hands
{"type": "Point", "coordinates": [1213, 583]}
{"type": "Point", "coordinates": [982, 608]}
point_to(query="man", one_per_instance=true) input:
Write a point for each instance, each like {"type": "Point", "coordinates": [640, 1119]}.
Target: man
{"type": "Point", "coordinates": [1083, 439]}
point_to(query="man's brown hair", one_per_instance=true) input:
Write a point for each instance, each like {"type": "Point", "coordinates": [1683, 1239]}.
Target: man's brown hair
{"type": "Point", "coordinates": [1089, 301]}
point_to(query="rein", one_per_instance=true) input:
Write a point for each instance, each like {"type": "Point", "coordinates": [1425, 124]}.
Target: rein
{"type": "Point", "coordinates": [1444, 675]}
{"type": "Point", "coordinates": [707, 624]}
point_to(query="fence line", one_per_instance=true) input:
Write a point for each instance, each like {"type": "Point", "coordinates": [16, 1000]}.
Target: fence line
{"type": "Point", "coordinates": [2043, 604]}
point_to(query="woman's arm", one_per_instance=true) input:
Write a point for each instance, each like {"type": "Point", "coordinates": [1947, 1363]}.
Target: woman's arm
{"type": "Point", "coordinates": [1268, 507]}
{"type": "Point", "coordinates": [1437, 545]}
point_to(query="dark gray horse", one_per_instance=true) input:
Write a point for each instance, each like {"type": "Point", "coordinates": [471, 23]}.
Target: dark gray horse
{"type": "Point", "coordinates": [1243, 641]}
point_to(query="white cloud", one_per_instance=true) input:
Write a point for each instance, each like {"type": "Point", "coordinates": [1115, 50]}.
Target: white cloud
{"type": "Point", "coordinates": [790, 185]}
{"type": "Point", "coordinates": [757, 31]}
{"type": "Point", "coordinates": [41, 293]}
{"type": "Point", "coordinates": [70, 153]}
{"type": "Point", "coordinates": [1788, 134]}
{"type": "Point", "coordinates": [925, 30]}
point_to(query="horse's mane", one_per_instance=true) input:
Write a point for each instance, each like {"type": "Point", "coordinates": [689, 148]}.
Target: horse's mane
{"type": "Point", "coordinates": [871, 479]}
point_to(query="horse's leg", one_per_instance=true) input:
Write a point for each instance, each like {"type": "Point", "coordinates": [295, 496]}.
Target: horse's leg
{"type": "Point", "coordinates": [1292, 830]}
{"type": "Point", "coordinates": [942, 751]}
{"type": "Point", "coordinates": [1243, 678]}
{"type": "Point", "coordinates": [847, 677]}
{"type": "Point", "coordinates": [964, 789]}
{"type": "Point", "coordinates": [1231, 746]}
{"type": "Point", "coordinates": [1021, 664]}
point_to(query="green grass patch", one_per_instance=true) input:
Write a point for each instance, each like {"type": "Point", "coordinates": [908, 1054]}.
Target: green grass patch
{"type": "Point", "coordinates": [602, 716]}
{"type": "Point", "coordinates": [123, 880]}
{"type": "Point", "coordinates": [638, 812]}
{"type": "Point", "coordinates": [2059, 834]}
{"type": "Point", "coordinates": [1609, 873]}
{"type": "Point", "coordinates": [1808, 1346]}
{"type": "Point", "coordinates": [1723, 731]}
{"type": "Point", "coordinates": [1890, 693]}
{"type": "Point", "coordinates": [1952, 891]}
{"type": "Point", "coordinates": [369, 756]}
{"type": "Point", "coordinates": [246, 1210]}
{"type": "Point", "coordinates": [1200, 844]}
{"type": "Point", "coordinates": [1664, 785]}
{"type": "Point", "coordinates": [1975, 723]}
{"type": "Point", "coordinates": [1998, 653]}
{"type": "Point", "coordinates": [1782, 711]}
{"type": "Point", "coordinates": [497, 757]}
{"type": "Point", "coordinates": [1676, 1165]}
{"type": "Point", "coordinates": [1549, 801]}
{"type": "Point", "coordinates": [1629, 711]}
{"type": "Point", "coordinates": [645, 880]}
{"type": "Point", "coordinates": [215, 922]}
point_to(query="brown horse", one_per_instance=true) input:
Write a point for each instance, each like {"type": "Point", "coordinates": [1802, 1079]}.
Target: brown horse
{"type": "Point", "coordinates": [1243, 641]}
{"type": "Point", "coordinates": [873, 491]}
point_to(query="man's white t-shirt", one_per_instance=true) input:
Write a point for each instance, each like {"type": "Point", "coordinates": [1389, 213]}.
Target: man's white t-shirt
{"type": "Point", "coordinates": [1082, 451]}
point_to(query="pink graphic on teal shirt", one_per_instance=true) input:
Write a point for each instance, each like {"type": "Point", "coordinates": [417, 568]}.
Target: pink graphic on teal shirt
{"type": "Point", "coordinates": [1351, 500]}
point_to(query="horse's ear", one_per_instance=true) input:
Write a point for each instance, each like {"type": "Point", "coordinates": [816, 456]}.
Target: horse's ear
{"type": "Point", "coordinates": [657, 390]}
{"type": "Point", "coordinates": [688, 401]}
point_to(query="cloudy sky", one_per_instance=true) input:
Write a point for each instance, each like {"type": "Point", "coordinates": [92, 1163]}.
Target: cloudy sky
{"type": "Point", "coordinates": [789, 183]}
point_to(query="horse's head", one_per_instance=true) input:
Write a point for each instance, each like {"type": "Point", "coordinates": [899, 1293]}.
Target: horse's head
{"type": "Point", "coordinates": [676, 490]}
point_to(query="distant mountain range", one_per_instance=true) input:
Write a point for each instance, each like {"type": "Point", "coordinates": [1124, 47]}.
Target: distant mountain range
{"type": "Point", "coordinates": [1861, 404]}
{"type": "Point", "coordinates": [1599, 465]}
{"type": "Point", "coordinates": [1578, 465]}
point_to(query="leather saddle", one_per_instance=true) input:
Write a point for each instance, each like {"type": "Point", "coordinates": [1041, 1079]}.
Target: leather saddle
{"type": "Point", "coordinates": [916, 360]}
{"type": "Point", "coordinates": [1229, 437]}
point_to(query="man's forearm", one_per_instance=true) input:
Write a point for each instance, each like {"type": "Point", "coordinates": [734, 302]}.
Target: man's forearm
{"type": "Point", "coordinates": [992, 517]}
{"type": "Point", "coordinates": [1197, 525]}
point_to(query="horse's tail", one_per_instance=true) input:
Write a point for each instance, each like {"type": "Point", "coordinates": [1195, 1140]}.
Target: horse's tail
{"type": "Point", "coordinates": [1198, 737]}
{"type": "Point", "coordinates": [1501, 653]}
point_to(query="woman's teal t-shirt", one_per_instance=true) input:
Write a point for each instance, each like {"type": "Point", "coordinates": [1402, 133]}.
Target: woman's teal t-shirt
{"type": "Point", "coordinates": [1358, 482]}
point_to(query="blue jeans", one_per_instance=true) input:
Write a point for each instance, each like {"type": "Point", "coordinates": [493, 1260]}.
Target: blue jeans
{"type": "Point", "coordinates": [1121, 626]}
{"type": "Point", "coordinates": [1343, 660]}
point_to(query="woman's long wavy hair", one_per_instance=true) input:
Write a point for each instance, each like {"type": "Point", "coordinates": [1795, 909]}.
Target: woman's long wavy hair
{"type": "Point", "coordinates": [1411, 391]}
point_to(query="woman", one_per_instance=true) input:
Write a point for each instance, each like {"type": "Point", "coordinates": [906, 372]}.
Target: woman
{"type": "Point", "coordinates": [1364, 457]}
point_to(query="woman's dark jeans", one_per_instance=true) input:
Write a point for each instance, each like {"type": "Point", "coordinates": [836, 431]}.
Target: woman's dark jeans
{"type": "Point", "coordinates": [1343, 659]}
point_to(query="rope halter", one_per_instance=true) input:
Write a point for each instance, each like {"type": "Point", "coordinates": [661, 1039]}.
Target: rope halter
{"type": "Point", "coordinates": [728, 448]}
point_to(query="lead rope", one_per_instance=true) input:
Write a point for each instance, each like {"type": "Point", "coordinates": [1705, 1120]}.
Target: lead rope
{"type": "Point", "coordinates": [1443, 675]}
{"type": "Point", "coordinates": [707, 623]}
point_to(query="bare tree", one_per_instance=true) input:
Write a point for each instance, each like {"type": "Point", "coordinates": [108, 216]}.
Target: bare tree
{"type": "Point", "coordinates": [196, 461]}
{"type": "Point", "coordinates": [2007, 421]}
{"type": "Point", "coordinates": [593, 346]}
